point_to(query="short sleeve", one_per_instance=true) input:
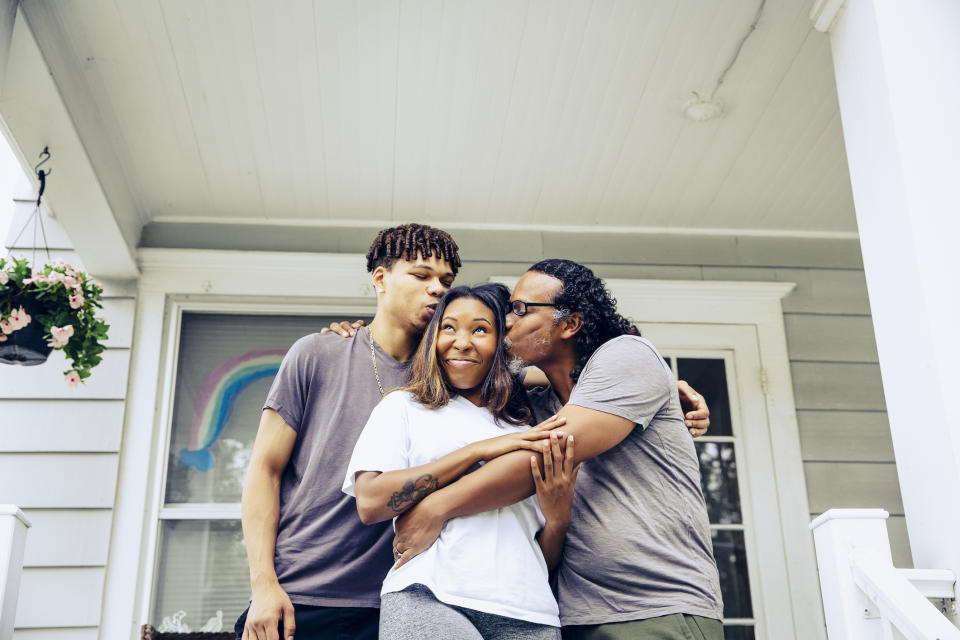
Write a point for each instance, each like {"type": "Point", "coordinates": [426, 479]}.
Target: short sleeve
{"type": "Point", "coordinates": [625, 377]}
{"type": "Point", "coordinates": [384, 443]}
{"type": "Point", "coordinates": [291, 387]}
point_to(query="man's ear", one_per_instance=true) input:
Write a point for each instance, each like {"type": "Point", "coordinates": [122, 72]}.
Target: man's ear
{"type": "Point", "coordinates": [377, 278]}
{"type": "Point", "coordinates": [571, 325]}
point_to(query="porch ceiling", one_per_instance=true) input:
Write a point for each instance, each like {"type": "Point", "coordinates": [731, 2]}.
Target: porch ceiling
{"type": "Point", "coordinates": [497, 113]}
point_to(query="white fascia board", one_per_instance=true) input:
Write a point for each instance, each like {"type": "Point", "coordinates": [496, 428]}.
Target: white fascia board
{"type": "Point", "coordinates": [254, 273]}
{"type": "Point", "coordinates": [34, 116]}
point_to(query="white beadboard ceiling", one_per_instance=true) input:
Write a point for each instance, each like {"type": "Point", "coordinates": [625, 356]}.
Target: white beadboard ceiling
{"type": "Point", "coordinates": [541, 113]}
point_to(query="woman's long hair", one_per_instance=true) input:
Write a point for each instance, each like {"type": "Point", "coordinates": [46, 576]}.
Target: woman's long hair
{"type": "Point", "coordinates": [500, 391]}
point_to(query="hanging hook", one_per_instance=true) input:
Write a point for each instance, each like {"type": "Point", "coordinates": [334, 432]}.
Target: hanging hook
{"type": "Point", "coordinates": [42, 175]}
{"type": "Point", "coordinates": [45, 152]}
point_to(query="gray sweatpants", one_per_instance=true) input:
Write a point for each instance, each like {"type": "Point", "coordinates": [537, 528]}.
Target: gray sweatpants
{"type": "Point", "coordinates": [416, 614]}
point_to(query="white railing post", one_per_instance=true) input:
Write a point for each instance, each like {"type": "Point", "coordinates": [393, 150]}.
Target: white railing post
{"type": "Point", "coordinates": [13, 539]}
{"type": "Point", "coordinates": [836, 535]}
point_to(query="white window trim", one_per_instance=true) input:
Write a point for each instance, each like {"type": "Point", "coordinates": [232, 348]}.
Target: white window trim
{"type": "Point", "coordinates": [756, 305]}
{"type": "Point", "coordinates": [264, 282]}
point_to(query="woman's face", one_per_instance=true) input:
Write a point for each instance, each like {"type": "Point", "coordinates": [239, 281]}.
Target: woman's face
{"type": "Point", "coordinates": [466, 345]}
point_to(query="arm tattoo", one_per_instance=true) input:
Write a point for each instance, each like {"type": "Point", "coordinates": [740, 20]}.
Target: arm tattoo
{"type": "Point", "coordinates": [413, 491]}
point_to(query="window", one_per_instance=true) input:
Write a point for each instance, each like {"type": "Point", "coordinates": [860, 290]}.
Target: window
{"type": "Point", "coordinates": [225, 365]}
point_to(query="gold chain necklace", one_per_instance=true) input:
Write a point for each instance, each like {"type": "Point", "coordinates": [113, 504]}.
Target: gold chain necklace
{"type": "Point", "coordinates": [373, 359]}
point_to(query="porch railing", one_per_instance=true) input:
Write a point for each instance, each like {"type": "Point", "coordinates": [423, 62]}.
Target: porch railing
{"type": "Point", "coordinates": [13, 538]}
{"type": "Point", "coordinates": [864, 596]}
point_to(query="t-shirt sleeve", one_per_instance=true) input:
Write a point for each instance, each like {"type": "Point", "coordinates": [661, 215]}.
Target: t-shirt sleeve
{"type": "Point", "coordinates": [625, 377]}
{"type": "Point", "coordinates": [291, 387]}
{"type": "Point", "coordinates": [384, 443]}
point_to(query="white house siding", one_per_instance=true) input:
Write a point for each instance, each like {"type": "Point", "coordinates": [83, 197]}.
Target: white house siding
{"type": "Point", "coordinates": [59, 454]}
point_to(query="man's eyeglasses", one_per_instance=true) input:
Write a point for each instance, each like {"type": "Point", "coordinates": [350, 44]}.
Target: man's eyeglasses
{"type": "Point", "coordinates": [519, 307]}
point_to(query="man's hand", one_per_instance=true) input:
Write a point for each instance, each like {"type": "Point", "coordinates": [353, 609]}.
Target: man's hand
{"type": "Point", "coordinates": [530, 439]}
{"type": "Point", "coordinates": [416, 530]}
{"type": "Point", "coordinates": [269, 605]}
{"type": "Point", "coordinates": [343, 328]}
{"type": "Point", "coordinates": [556, 485]}
{"type": "Point", "coordinates": [555, 488]}
{"type": "Point", "coordinates": [696, 412]}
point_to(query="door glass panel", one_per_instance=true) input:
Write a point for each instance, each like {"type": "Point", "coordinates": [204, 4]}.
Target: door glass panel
{"type": "Point", "coordinates": [709, 377]}
{"type": "Point", "coordinates": [718, 474]}
{"type": "Point", "coordinates": [731, 555]}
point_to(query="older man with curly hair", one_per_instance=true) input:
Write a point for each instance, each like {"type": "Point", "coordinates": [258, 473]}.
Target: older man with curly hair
{"type": "Point", "coordinates": [638, 559]}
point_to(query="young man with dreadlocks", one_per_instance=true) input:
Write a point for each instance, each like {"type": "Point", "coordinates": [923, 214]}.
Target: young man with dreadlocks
{"type": "Point", "coordinates": [314, 567]}
{"type": "Point", "coordinates": [638, 559]}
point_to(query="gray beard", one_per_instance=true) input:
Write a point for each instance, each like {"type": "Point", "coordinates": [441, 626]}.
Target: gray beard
{"type": "Point", "coordinates": [516, 364]}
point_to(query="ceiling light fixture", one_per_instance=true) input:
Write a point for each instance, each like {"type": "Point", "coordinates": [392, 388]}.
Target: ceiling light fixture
{"type": "Point", "coordinates": [702, 109]}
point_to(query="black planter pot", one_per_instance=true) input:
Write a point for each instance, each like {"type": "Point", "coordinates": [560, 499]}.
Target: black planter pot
{"type": "Point", "coordinates": [27, 345]}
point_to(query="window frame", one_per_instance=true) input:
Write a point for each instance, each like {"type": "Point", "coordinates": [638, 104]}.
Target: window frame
{"type": "Point", "coordinates": [200, 510]}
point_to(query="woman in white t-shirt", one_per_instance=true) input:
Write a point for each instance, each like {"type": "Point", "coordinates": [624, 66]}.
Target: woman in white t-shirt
{"type": "Point", "coordinates": [486, 577]}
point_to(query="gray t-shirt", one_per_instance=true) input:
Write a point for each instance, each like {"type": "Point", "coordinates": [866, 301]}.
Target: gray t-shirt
{"type": "Point", "coordinates": [325, 390]}
{"type": "Point", "coordinates": [639, 543]}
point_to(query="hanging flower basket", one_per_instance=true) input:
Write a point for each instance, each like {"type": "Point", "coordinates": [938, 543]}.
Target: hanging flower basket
{"type": "Point", "coordinates": [50, 308]}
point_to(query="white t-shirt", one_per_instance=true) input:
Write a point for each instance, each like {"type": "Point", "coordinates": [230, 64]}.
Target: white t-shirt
{"type": "Point", "coordinates": [490, 561]}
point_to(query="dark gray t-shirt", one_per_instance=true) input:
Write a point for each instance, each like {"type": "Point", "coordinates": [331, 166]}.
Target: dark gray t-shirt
{"type": "Point", "coordinates": [325, 390]}
{"type": "Point", "coordinates": [639, 543]}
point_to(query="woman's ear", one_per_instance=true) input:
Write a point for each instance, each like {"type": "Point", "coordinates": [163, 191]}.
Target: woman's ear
{"type": "Point", "coordinates": [571, 325]}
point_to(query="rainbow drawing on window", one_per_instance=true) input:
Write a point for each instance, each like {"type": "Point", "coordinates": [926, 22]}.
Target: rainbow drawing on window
{"type": "Point", "coordinates": [216, 399]}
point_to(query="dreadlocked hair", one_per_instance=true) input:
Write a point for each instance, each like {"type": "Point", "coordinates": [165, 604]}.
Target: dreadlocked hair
{"type": "Point", "coordinates": [584, 293]}
{"type": "Point", "coordinates": [408, 240]}
{"type": "Point", "coordinates": [500, 392]}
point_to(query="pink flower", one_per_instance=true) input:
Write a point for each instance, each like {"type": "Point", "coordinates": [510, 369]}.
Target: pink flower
{"type": "Point", "coordinates": [70, 281]}
{"type": "Point", "coordinates": [6, 326]}
{"type": "Point", "coordinates": [55, 276]}
{"type": "Point", "coordinates": [60, 336]}
{"type": "Point", "coordinates": [3, 338]}
{"type": "Point", "coordinates": [4, 277]}
{"type": "Point", "coordinates": [19, 318]}
{"type": "Point", "coordinates": [58, 262]}
{"type": "Point", "coordinates": [73, 379]}
{"type": "Point", "coordinates": [76, 300]}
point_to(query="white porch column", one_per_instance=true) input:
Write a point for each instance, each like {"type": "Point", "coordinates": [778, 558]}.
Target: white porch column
{"type": "Point", "coordinates": [897, 68]}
